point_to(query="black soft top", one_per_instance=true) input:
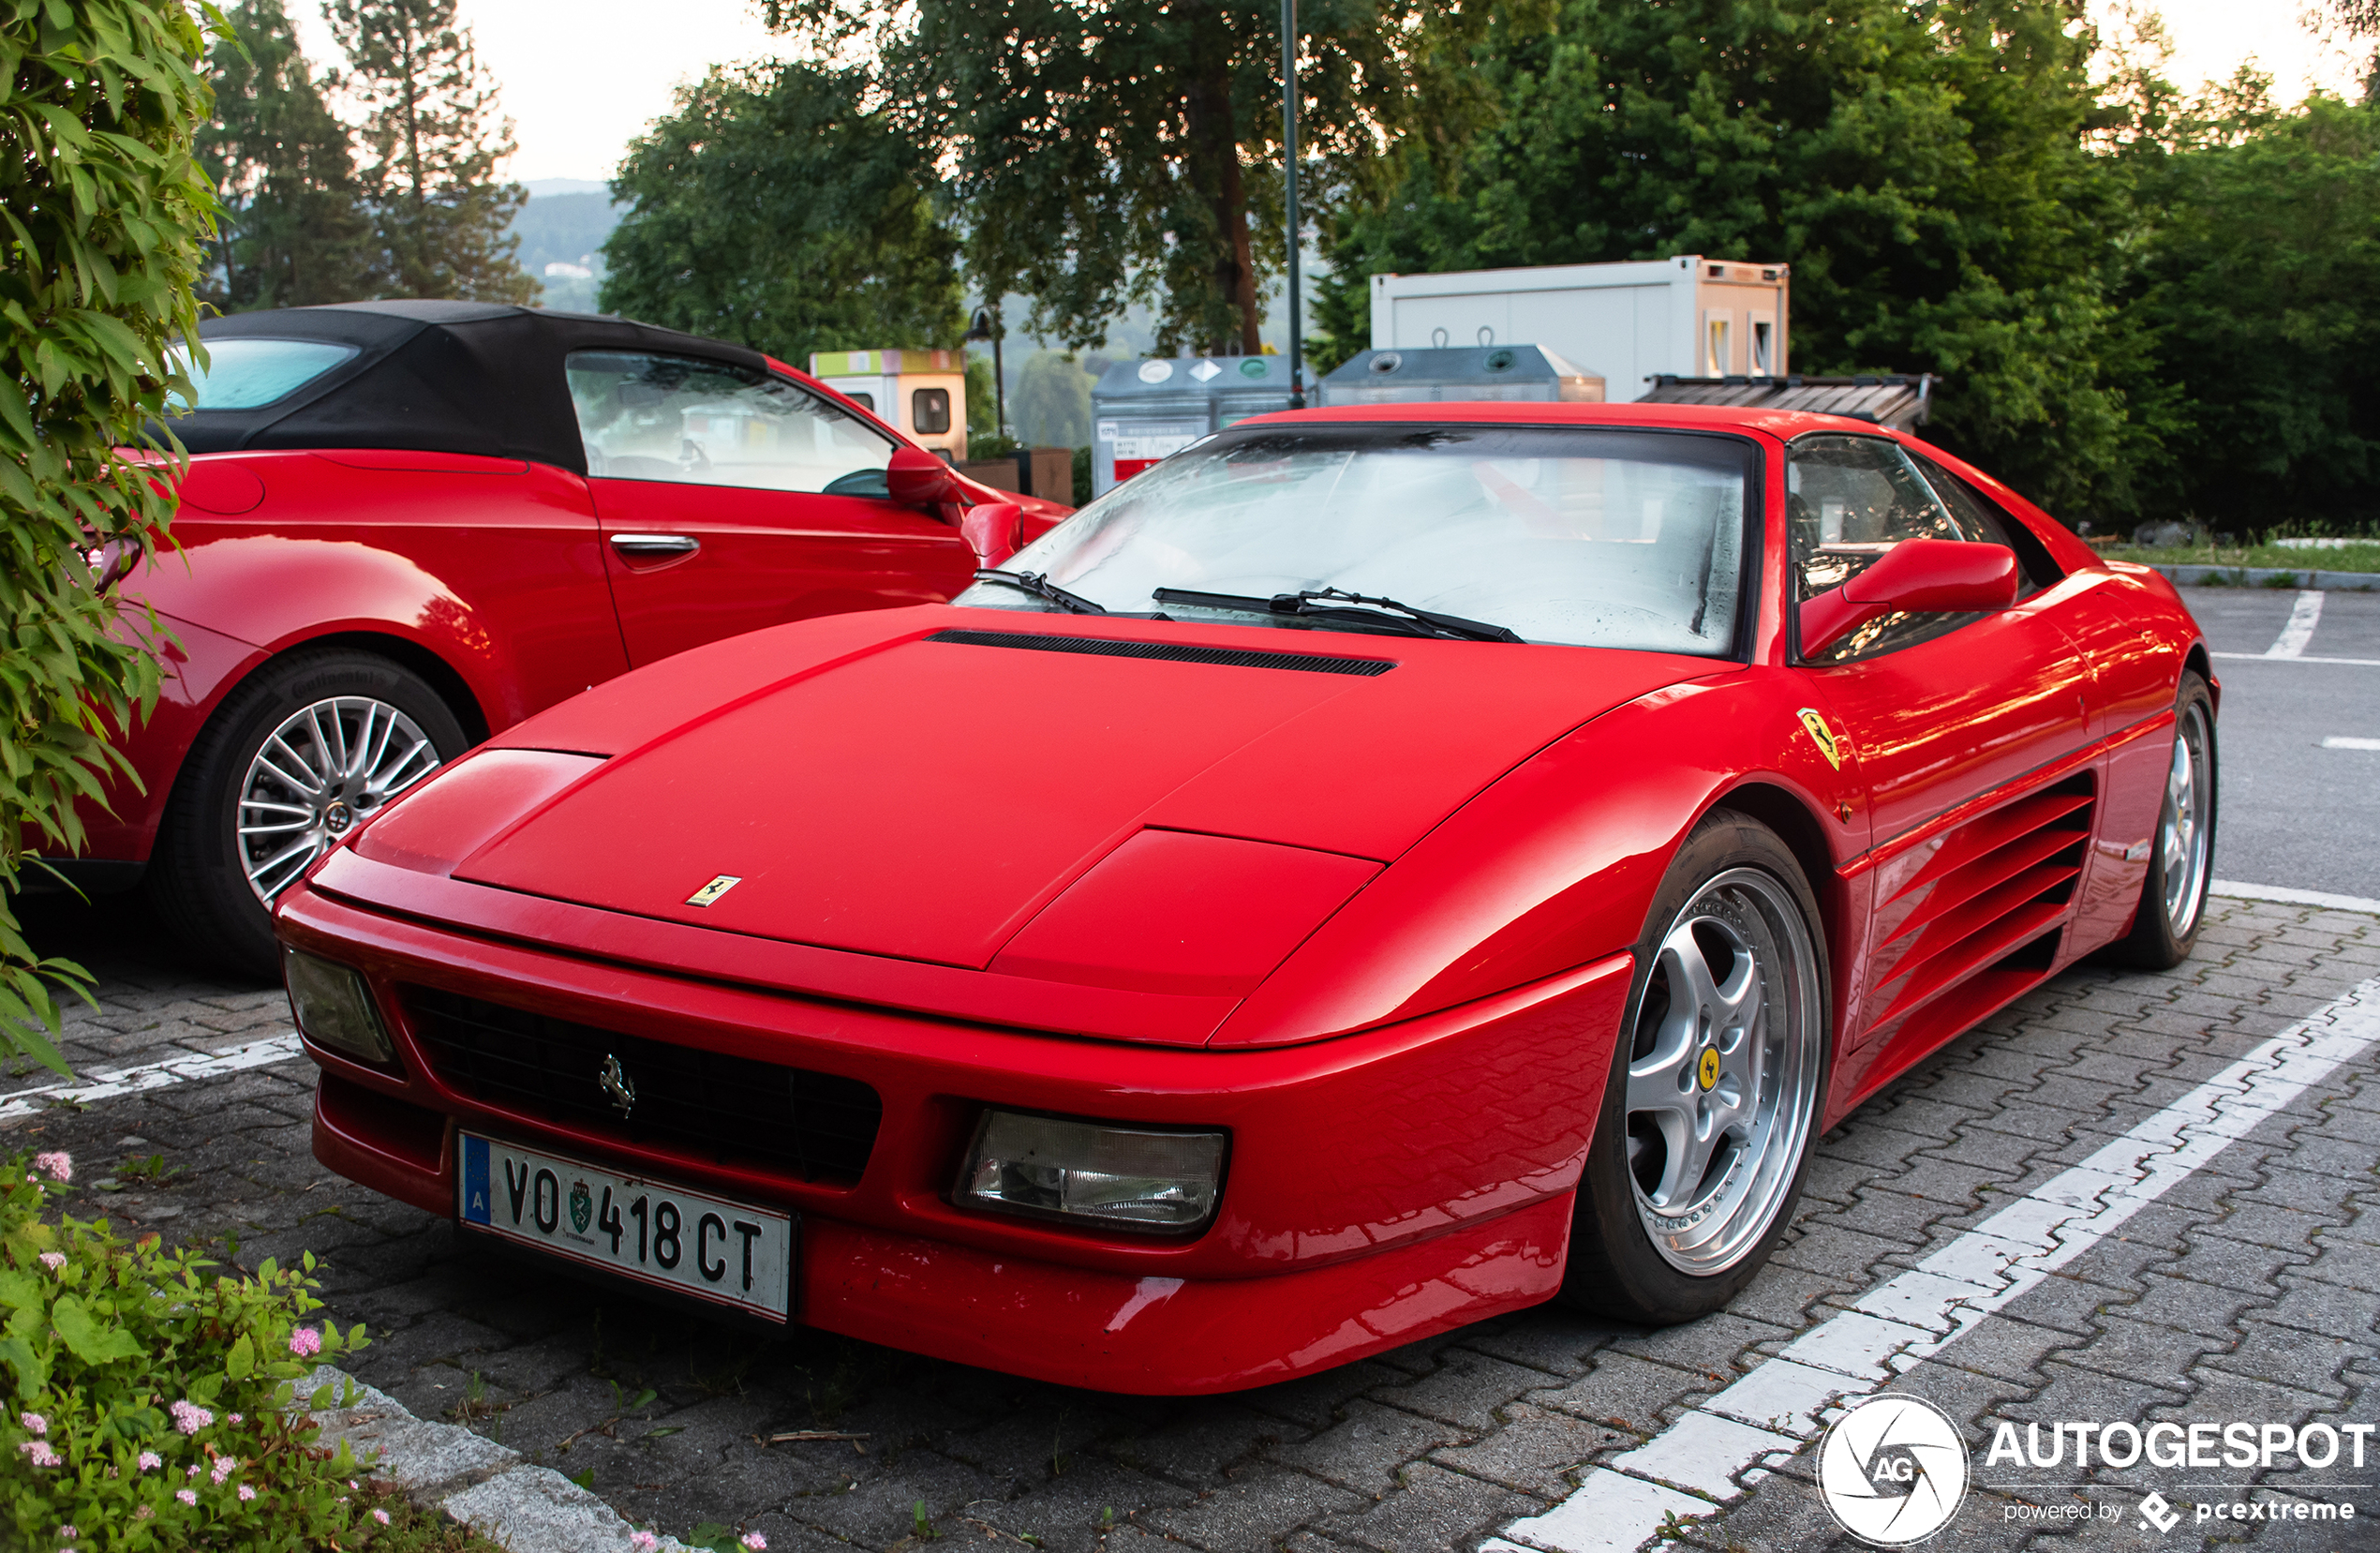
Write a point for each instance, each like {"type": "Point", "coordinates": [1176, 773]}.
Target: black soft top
{"type": "Point", "coordinates": [441, 376]}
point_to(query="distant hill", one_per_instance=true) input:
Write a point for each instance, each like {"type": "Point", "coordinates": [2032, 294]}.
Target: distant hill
{"type": "Point", "coordinates": [564, 223]}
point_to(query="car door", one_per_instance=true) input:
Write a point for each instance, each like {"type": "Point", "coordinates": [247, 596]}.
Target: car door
{"type": "Point", "coordinates": [733, 499]}
{"type": "Point", "coordinates": [1946, 712]}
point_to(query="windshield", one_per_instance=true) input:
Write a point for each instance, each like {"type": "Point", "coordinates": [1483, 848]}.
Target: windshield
{"type": "Point", "coordinates": [1569, 534]}
{"type": "Point", "coordinates": [249, 374]}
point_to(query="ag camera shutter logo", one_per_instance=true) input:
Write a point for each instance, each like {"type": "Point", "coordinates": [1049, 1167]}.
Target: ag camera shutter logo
{"type": "Point", "coordinates": [1892, 1470]}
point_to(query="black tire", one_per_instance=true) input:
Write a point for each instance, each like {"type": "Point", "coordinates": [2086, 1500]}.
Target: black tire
{"type": "Point", "coordinates": [1615, 1268]}
{"type": "Point", "coordinates": [196, 874]}
{"type": "Point", "coordinates": [2165, 929]}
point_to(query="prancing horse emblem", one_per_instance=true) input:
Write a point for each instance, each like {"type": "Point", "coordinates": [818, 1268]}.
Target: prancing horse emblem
{"type": "Point", "coordinates": [615, 1081]}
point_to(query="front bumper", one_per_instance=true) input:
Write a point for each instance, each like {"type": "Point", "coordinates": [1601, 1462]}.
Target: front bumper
{"type": "Point", "coordinates": [1381, 1187]}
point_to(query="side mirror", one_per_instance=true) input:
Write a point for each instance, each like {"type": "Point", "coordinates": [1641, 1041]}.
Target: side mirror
{"type": "Point", "coordinates": [994, 531]}
{"type": "Point", "coordinates": [917, 478]}
{"type": "Point", "coordinates": [1917, 577]}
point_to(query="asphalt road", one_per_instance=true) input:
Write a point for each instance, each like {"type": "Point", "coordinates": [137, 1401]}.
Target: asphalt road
{"type": "Point", "coordinates": [2296, 812]}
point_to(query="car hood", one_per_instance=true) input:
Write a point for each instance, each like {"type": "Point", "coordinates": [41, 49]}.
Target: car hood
{"type": "Point", "coordinates": [921, 782]}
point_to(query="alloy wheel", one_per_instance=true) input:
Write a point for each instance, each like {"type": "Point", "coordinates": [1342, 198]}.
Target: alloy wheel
{"type": "Point", "coordinates": [316, 776]}
{"type": "Point", "coordinates": [1722, 1074]}
{"type": "Point", "coordinates": [2183, 832]}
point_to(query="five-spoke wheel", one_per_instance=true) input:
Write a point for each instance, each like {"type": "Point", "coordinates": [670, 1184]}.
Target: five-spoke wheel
{"type": "Point", "coordinates": [2173, 896]}
{"type": "Point", "coordinates": [1697, 1157]}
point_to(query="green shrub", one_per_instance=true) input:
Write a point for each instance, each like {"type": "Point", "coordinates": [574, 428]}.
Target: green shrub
{"type": "Point", "coordinates": [147, 1398]}
{"type": "Point", "coordinates": [105, 213]}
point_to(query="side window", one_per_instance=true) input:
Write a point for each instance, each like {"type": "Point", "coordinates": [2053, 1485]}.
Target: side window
{"type": "Point", "coordinates": [2037, 567]}
{"type": "Point", "coordinates": [1848, 500]}
{"type": "Point", "coordinates": [702, 422]}
{"type": "Point", "coordinates": [929, 412]}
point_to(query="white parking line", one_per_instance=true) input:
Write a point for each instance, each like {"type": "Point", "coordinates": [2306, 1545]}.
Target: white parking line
{"type": "Point", "coordinates": [107, 1084]}
{"type": "Point", "coordinates": [2338, 743]}
{"type": "Point", "coordinates": [1692, 1468]}
{"type": "Point", "coordinates": [2284, 895]}
{"type": "Point", "coordinates": [2265, 657]}
{"type": "Point", "coordinates": [2299, 631]}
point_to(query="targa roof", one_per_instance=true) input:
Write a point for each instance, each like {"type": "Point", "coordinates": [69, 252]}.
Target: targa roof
{"type": "Point", "coordinates": [441, 376]}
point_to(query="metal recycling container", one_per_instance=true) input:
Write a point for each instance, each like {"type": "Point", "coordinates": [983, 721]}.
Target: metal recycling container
{"type": "Point", "coordinates": [1144, 411]}
{"type": "Point", "coordinates": [1529, 373]}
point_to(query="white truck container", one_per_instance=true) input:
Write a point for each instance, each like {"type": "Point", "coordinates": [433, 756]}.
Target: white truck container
{"type": "Point", "coordinates": [923, 393]}
{"type": "Point", "coordinates": [1686, 315]}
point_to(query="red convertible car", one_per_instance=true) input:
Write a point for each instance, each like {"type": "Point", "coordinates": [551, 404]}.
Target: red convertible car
{"type": "Point", "coordinates": [408, 524]}
{"type": "Point", "coordinates": [1380, 868]}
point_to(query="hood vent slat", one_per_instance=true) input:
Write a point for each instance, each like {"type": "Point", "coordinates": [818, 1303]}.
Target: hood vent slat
{"type": "Point", "coordinates": [1174, 652]}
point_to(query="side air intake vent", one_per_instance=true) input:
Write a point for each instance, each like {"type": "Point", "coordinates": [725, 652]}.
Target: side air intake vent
{"type": "Point", "coordinates": [1172, 652]}
{"type": "Point", "coordinates": [1989, 899]}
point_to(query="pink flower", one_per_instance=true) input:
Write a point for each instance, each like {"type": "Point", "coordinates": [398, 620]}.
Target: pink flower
{"type": "Point", "coordinates": [150, 1460]}
{"type": "Point", "coordinates": [189, 1417]}
{"type": "Point", "coordinates": [69, 1533]}
{"type": "Point", "coordinates": [42, 1453]}
{"type": "Point", "coordinates": [305, 1342]}
{"type": "Point", "coordinates": [380, 1515]}
{"type": "Point", "coordinates": [238, 1419]}
{"type": "Point", "coordinates": [246, 1493]}
{"type": "Point", "coordinates": [53, 1259]}
{"type": "Point", "coordinates": [755, 1541]}
{"type": "Point", "coordinates": [224, 1466]}
{"type": "Point", "coordinates": [188, 1496]}
{"type": "Point", "coordinates": [34, 1423]}
{"type": "Point", "coordinates": [642, 1542]}
{"type": "Point", "coordinates": [56, 1164]}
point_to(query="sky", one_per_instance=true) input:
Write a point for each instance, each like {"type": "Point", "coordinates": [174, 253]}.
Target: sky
{"type": "Point", "coordinates": [581, 82]}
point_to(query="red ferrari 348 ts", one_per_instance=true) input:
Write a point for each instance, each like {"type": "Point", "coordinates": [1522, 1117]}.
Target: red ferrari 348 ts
{"type": "Point", "coordinates": [408, 524]}
{"type": "Point", "coordinates": [1380, 868]}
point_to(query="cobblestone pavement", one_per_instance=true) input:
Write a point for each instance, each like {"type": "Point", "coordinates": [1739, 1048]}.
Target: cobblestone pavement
{"type": "Point", "coordinates": [2244, 1293]}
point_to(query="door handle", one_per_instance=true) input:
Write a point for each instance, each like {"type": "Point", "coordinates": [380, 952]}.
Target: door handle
{"type": "Point", "coordinates": [652, 546]}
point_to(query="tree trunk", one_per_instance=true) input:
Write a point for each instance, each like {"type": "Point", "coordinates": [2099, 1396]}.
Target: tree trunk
{"type": "Point", "coordinates": [1218, 142]}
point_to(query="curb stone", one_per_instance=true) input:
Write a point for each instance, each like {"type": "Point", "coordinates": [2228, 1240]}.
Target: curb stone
{"type": "Point", "coordinates": [2267, 577]}
{"type": "Point", "coordinates": [473, 1480]}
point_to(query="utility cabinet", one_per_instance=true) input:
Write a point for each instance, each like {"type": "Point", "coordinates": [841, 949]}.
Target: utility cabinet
{"type": "Point", "coordinates": [1145, 411]}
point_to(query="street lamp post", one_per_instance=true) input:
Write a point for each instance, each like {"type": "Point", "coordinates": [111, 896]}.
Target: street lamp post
{"type": "Point", "coordinates": [985, 326]}
{"type": "Point", "coordinates": [1290, 167]}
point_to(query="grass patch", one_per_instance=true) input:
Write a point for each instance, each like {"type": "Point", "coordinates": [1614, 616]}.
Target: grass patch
{"type": "Point", "coordinates": [2346, 557]}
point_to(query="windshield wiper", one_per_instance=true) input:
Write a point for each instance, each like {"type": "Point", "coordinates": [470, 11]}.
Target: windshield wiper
{"type": "Point", "coordinates": [1402, 617]}
{"type": "Point", "coordinates": [1041, 587]}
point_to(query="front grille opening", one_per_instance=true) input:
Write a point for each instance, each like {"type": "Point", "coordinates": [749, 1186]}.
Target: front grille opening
{"type": "Point", "coordinates": [819, 1126]}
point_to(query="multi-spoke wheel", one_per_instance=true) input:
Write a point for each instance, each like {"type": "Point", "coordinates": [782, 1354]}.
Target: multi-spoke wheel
{"type": "Point", "coordinates": [295, 757]}
{"type": "Point", "coordinates": [2182, 851]}
{"type": "Point", "coordinates": [1699, 1154]}
{"type": "Point", "coordinates": [327, 767]}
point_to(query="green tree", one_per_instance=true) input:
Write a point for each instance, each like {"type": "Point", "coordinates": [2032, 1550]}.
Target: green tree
{"type": "Point", "coordinates": [1924, 168]}
{"type": "Point", "coordinates": [107, 214]}
{"type": "Point", "coordinates": [2259, 280]}
{"type": "Point", "coordinates": [1052, 407]}
{"type": "Point", "coordinates": [294, 230]}
{"type": "Point", "coordinates": [435, 138]}
{"type": "Point", "coordinates": [1107, 154]}
{"type": "Point", "coordinates": [771, 209]}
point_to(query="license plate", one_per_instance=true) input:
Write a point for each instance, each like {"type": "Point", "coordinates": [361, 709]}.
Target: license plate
{"type": "Point", "coordinates": [729, 1253]}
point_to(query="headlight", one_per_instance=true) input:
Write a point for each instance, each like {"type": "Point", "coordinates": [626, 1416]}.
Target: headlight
{"type": "Point", "coordinates": [334, 1008]}
{"type": "Point", "coordinates": [1121, 1177]}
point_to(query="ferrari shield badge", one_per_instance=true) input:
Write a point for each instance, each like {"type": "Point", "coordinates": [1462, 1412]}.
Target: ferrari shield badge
{"type": "Point", "coordinates": [726, 882]}
{"type": "Point", "coordinates": [1823, 737]}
